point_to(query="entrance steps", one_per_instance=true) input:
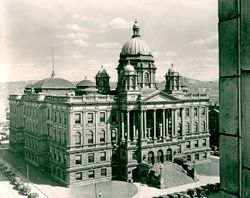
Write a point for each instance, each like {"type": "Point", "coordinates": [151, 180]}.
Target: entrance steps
{"type": "Point", "coordinates": [172, 174]}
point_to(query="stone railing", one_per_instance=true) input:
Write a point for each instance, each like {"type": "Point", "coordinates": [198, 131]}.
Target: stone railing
{"type": "Point", "coordinates": [196, 96]}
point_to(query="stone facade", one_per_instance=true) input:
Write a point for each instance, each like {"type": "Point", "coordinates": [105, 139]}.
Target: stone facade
{"type": "Point", "coordinates": [234, 53]}
{"type": "Point", "coordinates": [86, 134]}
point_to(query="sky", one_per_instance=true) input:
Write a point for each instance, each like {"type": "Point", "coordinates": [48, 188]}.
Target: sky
{"type": "Point", "coordinates": [86, 34]}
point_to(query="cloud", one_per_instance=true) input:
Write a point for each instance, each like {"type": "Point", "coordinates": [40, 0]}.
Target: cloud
{"type": "Point", "coordinates": [108, 45]}
{"type": "Point", "coordinates": [73, 27]}
{"type": "Point", "coordinates": [171, 54]}
{"type": "Point", "coordinates": [78, 35]}
{"type": "Point", "coordinates": [81, 43]}
{"type": "Point", "coordinates": [211, 39]}
{"type": "Point", "coordinates": [117, 23]}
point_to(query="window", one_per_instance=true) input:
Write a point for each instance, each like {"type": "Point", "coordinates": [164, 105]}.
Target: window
{"type": "Point", "coordinates": [77, 118]}
{"type": "Point", "coordinates": [187, 112]}
{"type": "Point", "coordinates": [90, 117]}
{"type": "Point", "coordinates": [195, 127]}
{"type": "Point", "coordinates": [91, 157]}
{"type": "Point", "coordinates": [102, 117]}
{"type": "Point", "coordinates": [189, 158]}
{"type": "Point", "coordinates": [102, 136]}
{"type": "Point", "coordinates": [203, 126]}
{"type": "Point", "coordinates": [204, 142]}
{"type": "Point", "coordinates": [78, 138]}
{"type": "Point", "coordinates": [134, 156]}
{"type": "Point", "coordinates": [91, 174]}
{"type": "Point", "coordinates": [103, 156]}
{"type": "Point", "coordinates": [179, 132]}
{"type": "Point", "coordinates": [188, 145]}
{"type": "Point", "coordinates": [146, 78]}
{"type": "Point", "coordinates": [90, 137]}
{"type": "Point", "coordinates": [78, 159]}
{"type": "Point", "coordinates": [103, 172]}
{"type": "Point", "coordinates": [203, 111]}
{"type": "Point", "coordinates": [197, 156]}
{"type": "Point", "coordinates": [196, 144]}
{"type": "Point", "coordinates": [187, 127]}
{"type": "Point", "coordinates": [204, 155]}
{"type": "Point", "coordinates": [113, 135]}
{"type": "Point", "coordinates": [179, 149]}
{"type": "Point", "coordinates": [195, 111]}
{"type": "Point", "coordinates": [78, 176]}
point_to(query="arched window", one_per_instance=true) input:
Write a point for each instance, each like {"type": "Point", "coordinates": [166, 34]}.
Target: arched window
{"type": "Point", "coordinates": [146, 78]}
{"type": "Point", "coordinates": [203, 126]}
{"type": "Point", "coordinates": [77, 138]}
{"type": "Point", "coordinates": [195, 127]}
{"type": "Point", "coordinates": [160, 156]}
{"type": "Point", "coordinates": [90, 137]}
{"type": "Point", "coordinates": [102, 136]}
{"type": "Point", "coordinates": [151, 157]}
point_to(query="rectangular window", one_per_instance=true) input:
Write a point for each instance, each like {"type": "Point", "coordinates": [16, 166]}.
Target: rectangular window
{"type": "Point", "coordinates": [188, 145]}
{"type": "Point", "coordinates": [203, 111]}
{"type": "Point", "coordinates": [196, 144]}
{"type": "Point", "coordinates": [103, 172]}
{"type": "Point", "coordinates": [77, 118]}
{"type": "Point", "coordinates": [90, 117]}
{"type": "Point", "coordinates": [91, 158]}
{"type": "Point", "coordinates": [179, 149]}
{"type": "Point", "coordinates": [103, 156]}
{"type": "Point", "coordinates": [78, 159]}
{"type": "Point", "coordinates": [204, 155]}
{"type": "Point", "coordinates": [187, 112]}
{"type": "Point", "coordinates": [102, 117]}
{"type": "Point", "coordinates": [78, 176]}
{"type": "Point", "coordinates": [204, 142]}
{"type": "Point", "coordinates": [195, 111]}
{"type": "Point", "coordinates": [197, 156]}
{"type": "Point", "coordinates": [102, 136]}
{"type": "Point", "coordinates": [91, 174]}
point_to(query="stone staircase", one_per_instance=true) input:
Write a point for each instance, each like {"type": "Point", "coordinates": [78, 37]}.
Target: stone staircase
{"type": "Point", "coordinates": [172, 174]}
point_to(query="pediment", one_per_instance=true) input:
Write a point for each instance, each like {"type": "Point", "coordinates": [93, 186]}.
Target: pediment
{"type": "Point", "coordinates": [160, 97]}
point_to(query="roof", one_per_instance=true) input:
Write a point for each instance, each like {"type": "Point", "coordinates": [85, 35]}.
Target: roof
{"type": "Point", "coordinates": [85, 83]}
{"type": "Point", "coordinates": [54, 83]}
{"type": "Point", "coordinates": [29, 86]}
{"type": "Point", "coordinates": [135, 46]}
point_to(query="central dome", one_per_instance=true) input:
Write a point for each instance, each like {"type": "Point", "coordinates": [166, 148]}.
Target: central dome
{"type": "Point", "coordinates": [135, 45]}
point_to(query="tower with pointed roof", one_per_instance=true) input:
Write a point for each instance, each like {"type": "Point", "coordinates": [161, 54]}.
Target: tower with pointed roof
{"type": "Point", "coordinates": [102, 81]}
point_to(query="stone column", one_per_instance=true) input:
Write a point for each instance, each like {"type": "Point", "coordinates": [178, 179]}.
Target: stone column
{"type": "Point", "coordinates": [234, 48]}
{"type": "Point", "coordinates": [199, 119]}
{"type": "Point", "coordinates": [167, 135]}
{"type": "Point", "coordinates": [96, 121]}
{"type": "Point", "coordinates": [154, 114]}
{"type": "Point", "coordinates": [173, 122]}
{"type": "Point", "coordinates": [133, 113]}
{"type": "Point", "coordinates": [145, 124]}
{"type": "Point", "coordinates": [207, 120]}
{"type": "Point", "coordinates": [183, 122]}
{"type": "Point", "coordinates": [122, 128]}
{"type": "Point", "coordinates": [128, 125]}
{"type": "Point", "coordinates": [163, 123]}
{"type": "Point", "coordinates": [141, 125]}
{"type": "Point", "coordinates": [191, 120]}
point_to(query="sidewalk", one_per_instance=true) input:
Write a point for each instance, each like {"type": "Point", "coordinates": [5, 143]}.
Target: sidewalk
{"type": "Point", "coordinates": [145, 191]}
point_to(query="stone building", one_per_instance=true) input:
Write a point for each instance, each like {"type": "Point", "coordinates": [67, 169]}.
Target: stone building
{"type": "Point", "coordinates": [89, 133]}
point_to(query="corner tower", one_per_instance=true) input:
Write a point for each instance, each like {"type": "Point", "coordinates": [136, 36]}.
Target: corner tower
{"type": "Point", "coordinates": [138, 53]}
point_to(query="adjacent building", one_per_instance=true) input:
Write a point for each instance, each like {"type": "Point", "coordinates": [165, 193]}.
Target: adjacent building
{"type": "Point", "coordinates": [87, 133]}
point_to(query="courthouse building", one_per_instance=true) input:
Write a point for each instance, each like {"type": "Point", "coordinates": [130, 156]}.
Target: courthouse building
{"type": "Point", "coordinates": [87, 133]}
